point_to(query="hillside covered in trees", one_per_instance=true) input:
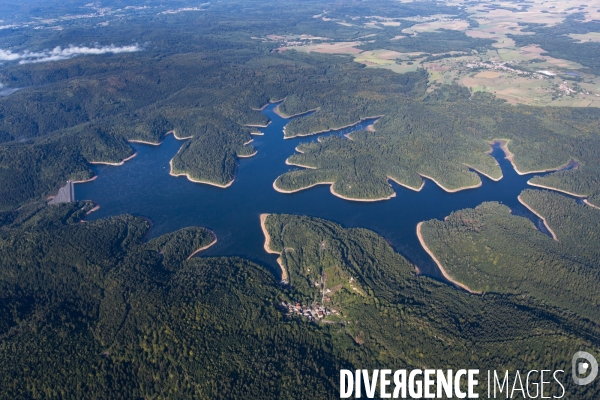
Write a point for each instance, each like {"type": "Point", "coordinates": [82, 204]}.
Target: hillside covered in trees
{"type": "Point", "coordinates": [441, 137]}
{"type": "Point", "coordinates": [92, 309]}
{"type": "Point", "coordinates": [205, 87]}
{"type": "Point", "coordinates": [490, 250]}
{"type": "Point", "coordinates": [89, 310]}
{"type": "Point", "coordinates": [399, 318]}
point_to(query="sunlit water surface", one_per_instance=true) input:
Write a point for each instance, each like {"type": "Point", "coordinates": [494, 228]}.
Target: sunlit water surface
{"type": "Point", "coordinates": [144, 187]}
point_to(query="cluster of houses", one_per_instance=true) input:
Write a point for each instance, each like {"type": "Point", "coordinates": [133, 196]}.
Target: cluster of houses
{"type": "Point", "coordinates": [501, 66]}
{"type": "Point", "coordinates": [542, 74]}
{"type": "Point", "coordinates": [567, 90]}
{"type": "Point", "coordinates": [313, 312]}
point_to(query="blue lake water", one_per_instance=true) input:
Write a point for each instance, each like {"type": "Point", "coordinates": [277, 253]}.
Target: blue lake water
{"type": "Point", "coordinates": [144, 187]}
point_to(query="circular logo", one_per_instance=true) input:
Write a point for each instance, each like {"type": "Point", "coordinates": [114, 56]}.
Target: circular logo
{"type": "Point", "coordinates": [584, 363]}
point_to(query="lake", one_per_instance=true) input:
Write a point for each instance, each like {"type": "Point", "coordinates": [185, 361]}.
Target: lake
{"type": "Point", "coordinates": [144, 187]}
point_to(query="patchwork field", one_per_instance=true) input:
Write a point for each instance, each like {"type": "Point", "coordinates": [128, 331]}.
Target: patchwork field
{"type": "Point", "coordinates": [329, 48]}
{"type": "Point", "coordinates": [436, 26]}
{"type": "Point", "coordinates": [518, 74]}
{"type": "Point", "coordinates": [586, 37]}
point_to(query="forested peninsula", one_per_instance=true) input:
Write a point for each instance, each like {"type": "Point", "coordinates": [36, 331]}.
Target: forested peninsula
{"type": "Point", "coordinates": [444, 137]}
{"type": "Point", "coordinates": [492, 251]}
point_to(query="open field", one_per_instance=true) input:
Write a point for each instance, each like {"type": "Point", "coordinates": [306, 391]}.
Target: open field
{"type": "Point", "coordinates": [387, 59]}
{"type": "Point", "coordinates": [436, 26]}
{"type": "Point", "coordinates": [532, 89]}
{"type": "Point", "coordinates": [586, 37]}
{"type": "Point", "coordinates": [519, 75]}
{"type": "Point", "coordinates": [329, 48]}
{"type": "Point", "coordinates": [549, 12]}
{"type": "Point", "coordinates": [296, 37]}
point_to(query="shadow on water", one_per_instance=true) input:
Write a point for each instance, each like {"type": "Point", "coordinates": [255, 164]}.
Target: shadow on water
{"type": "Point", "coordinates": [144, 187]}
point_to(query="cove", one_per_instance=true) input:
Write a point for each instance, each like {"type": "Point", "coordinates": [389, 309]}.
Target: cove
{"type": "Point", "coordinates": [144, 187]}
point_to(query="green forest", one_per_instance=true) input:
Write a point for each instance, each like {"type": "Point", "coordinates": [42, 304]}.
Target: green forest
{"type": "Point", "coordinates": [111, 316]}
{"type": "Point", "coordinates": [492, 251]}
{"type": "Point", "coordinates": [92, 309]}
{"type": "Point", "coordinates": [89, 107]}
{"type": "Point", "coordinates": [397, 317]}
{"type": "Point", "coordinates": [556, 42]}
{"type": "Point", "coordinates": [443, 41]}
{"type": "Point", "coordinates": [441, 137]}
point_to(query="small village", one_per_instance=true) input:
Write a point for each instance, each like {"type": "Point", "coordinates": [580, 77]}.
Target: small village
{"type": "Point", "coordinates": [314, 312]}
{"type": "Point", "coordinates": [501, 66]}
{"type": "Point", "coordinates": [563, 89]}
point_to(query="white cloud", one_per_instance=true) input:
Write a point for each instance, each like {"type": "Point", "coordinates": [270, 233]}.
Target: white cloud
{"type": "Point", "coordinates": [59, 53]}
{"type": "Point", "coordinates": [7, 55]}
